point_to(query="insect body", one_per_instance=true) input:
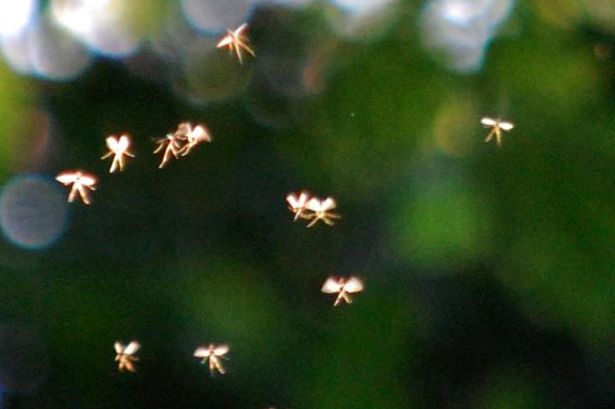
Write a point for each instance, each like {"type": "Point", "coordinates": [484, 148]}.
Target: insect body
{"type": "Point", "coordinates": [497, 126]}
{"type": "Point", "coordinates": [296, 204]}
{"type": "Point", "coordinates": [125, 356]}
{"type": "Point", "coordinates": [172, 147]}
{"type": "Point", "coordinates": [192, 136]}
{"type": "Point", "coordinates": [235, 41]}
{"type": "Point", "coordinates": [322, 210]}
{"type": "Point", "coordinates": [118, 148]}
{"type": "Point", "coordinates": [80, 182]}
{"type": "Point", "coordinates": [213, 353]}
{"type": "Point", "coordinates": [343, 287]}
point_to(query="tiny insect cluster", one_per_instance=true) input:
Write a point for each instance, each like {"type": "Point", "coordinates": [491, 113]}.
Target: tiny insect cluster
{"type": "Point", "coordinates": [126, 358]}
{"type": "Point", "coordinates": [312, 208]}
{"type": "Point", "coordinates": [181, 143]}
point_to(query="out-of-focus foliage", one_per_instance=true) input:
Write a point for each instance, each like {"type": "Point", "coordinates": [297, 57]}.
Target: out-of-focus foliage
{"type": "Point", "coordinates": [489, 271]}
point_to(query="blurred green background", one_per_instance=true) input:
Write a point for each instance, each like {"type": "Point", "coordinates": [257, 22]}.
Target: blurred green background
{"type": "Point", "coordinates": [489, 272]}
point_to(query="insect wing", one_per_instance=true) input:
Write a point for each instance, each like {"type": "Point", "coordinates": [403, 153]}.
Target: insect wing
{"type": "Point", "coordinates": [296, 202]}
{"type": "Point", "coordinates": [200, 133]}
{"type": "Point", "coordinates": [239, 29]}
{"type": "Point", "coordinates": [228, 39]}
{"type": "Point", "coordinates": [507, 126]}
{"type": "Point", "coordinates": [119, 348]}
{"type": "Point", "coordinates": [314, 205]}
{"type": "Point", "coordinates": [488, 122]}
{"type": "Point", "coordinates": [124, 143]}
{"type": "Point", "coordinates": [201, 352]}
{"type": "Point", "coordinates": [132, 348]}
{"type": "Point", "coordinates": [353, 285]}
{"type": "Point", "coordinates": [67, 178]}
{"type": "Point", "coordinates": [88, 180]}
{"type": "Point", "coordinates": [221, 350]}
{"type": "Point", "coordinates": [328, 204]}
{"type": "Point", "coordinates": [331, 286]}
{"type": "Point", "coordinates": [112, 143]}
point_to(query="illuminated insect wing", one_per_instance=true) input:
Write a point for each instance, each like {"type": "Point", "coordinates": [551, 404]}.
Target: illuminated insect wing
{"type": "Point", "coordinates": [119, 349]}
{"type": "Point", "coordinates": [314, 205]}
{"type": "Point", "coordinates": [67, 178]}
{"type": "Point", "coordinates": [353, 285]}
{"type": "Point", "coordinates": [332, 285]}
{"type": "Point", "coordinates": [200, 133]}
{"type": "Point", "coordinates": [328, 204]}
{"type": "Point", "coordinates": [183, 130]}
{"type": "Point", "coordinates": [221, 350]}
{"type": "Point", "coordinates": [132, 348]}
{"type": "Point", "coordinates": [488, 122]}
{"type": "Point", "coordinates": [227, 40]}
{"type": "Point", "coordinates": [195, 136]}
{"type": "Point", "coordinates": [202, 352]}
{"type": "Point", "coordinates": [507, 126]}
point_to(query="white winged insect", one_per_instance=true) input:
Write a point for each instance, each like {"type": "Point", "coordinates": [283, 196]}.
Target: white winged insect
{"type": "Point", "coordinates": [118, 147]}
{"type": "Point", "coordinates": [497, 126]}
{"type": "Point", "coordinates": [343, 287]}
{"type": "Point", "coordinates": [80, 182]}
{"type": "Point", "coordinates": [235, 41]}
{"type": "Point", "coordinates": [321, 210]}
{"type": "Point", "coordinates": [193, 136]}
{"type": "Point", "coordinates": [172, 145]}
{"type": "Point", "coordinates": [125, 356]}
{"type": "Point", "coordinates": [296, 204]}
{"type": "Point", "coordinates": [213, 353]}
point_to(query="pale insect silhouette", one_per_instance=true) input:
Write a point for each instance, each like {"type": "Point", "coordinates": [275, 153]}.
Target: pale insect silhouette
{"type": "Point", "coordinates": [321, 210]}
{"type": "Point", "coordinates": [497, 126]}
{"type": "Point", "coordinates": [118, 148]}
{"type": "Point", "coordinates": [192, 136]}
{"type": "Point", "coordinates": [296, 204]}
{"type": "Point", "coordinates": [343, 287]}
{"type": "Point", "coordinates": [125, 356]}
{"type": "Point", "coordinates": [172, 146]}
{"type": "Point", "coordinates": [213, 353]}
{"type": "Point", "coordinates": [80, 182]}
{"type": "Point", "coordinates": [235, 41]}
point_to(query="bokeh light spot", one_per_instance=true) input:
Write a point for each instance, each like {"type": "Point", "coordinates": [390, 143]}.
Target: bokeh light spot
{"type": "Point", "coordinates": [15, 15]}
{"type": "Point", "coordinates": [216, 16]}
{"type": "Point", "coordinates": [458, 31]}
{"type": "Point", "coordinates": [443, 224]}
{"type": "Point", "coordinates": [105, 26]}
{"type": "Point", "coordinates": [33, 212]}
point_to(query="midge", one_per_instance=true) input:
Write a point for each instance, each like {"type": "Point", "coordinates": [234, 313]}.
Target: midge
{"type": "Point", "coordinates": [497, 126]}
{"type": "Point", "coordinates": [322, 210]}
{"type": "Point", "coordinates": [235, 41]}
{"type": "Point", "coordinates": [172, 146]}
{"type": "Point", "coordinates": [118, 148]}
{"type": "Point", "coordinates": [296, 204]}
{"type": "Point", "coordinates": [125, 356]}
{"type": "Point", "coordinates": [304, 206]}
{"type": "Point", "coordinates": [192, 136]}
{"type": "Point", "coordinates": [213, 353]}
{"type": "Point", "coordinates": [343, 287]}
{"type": "Point", "coordinates": [80, 182]}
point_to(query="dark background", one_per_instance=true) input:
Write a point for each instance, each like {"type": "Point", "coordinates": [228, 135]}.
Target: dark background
{"type": "Point", "coordinates": [489, 271]}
